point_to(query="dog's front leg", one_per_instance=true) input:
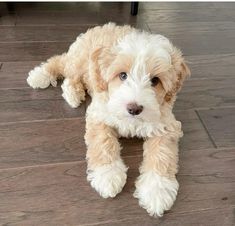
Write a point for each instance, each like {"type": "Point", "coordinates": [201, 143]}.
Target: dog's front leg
{"type": "Point", "coordinates": [106, 170]}
{"type": "Point", "coordinates": [156, 187]}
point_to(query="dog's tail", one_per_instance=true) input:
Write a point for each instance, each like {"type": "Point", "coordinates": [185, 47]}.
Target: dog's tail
{"type": "Point", "coordinates": [47, 73]}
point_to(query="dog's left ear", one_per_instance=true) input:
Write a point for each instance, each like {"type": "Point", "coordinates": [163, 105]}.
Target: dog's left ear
{"type": "Point", "coordinates": [99, 62]}
{"type": "Point", "coordinates": [182, 72]}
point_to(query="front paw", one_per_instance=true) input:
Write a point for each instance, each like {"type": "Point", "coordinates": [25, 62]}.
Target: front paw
{"type": "Point", "coordinates": [156, 193]}
{"type": "Point", "coordinates": [108, 180]}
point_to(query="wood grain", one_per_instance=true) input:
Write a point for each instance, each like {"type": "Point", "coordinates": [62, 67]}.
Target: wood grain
{"type": "Point", "coordinates": [40, 51]}
{"type": "Point", "coordinates": [195, 137]}
{"type": "Point", "coordinates": [38, 110]}
{"type": "Point", "coordinates": [7, 19]}
{"type": "Point", "coordinates": [215, 217]}
{"type": "Point", "coordinates": [201, 28]}
{"type": "Point", "coordinates": [31, 51]}
{"type": "Point", "coordinates": [178, 5]}
{"type": "Point", "coordinates": [206, 93]}
{"type": "Point", "coordinates": [203, 43]}
{"type": "Point", "coordinates": [34, 143]}
{"type": "Point", "coordinates": [74, 17]}
{"type": "Point", "coordinates": [26, 94]}
{"type": "Point", "coordinates": [220, 123]}
{"type": "Point", "coordinates": [212, 66]}
{"type": "Point", "coordinates": [185, 15]}
{"type": "Point", "coordinates": [43, 142]}
{"type": "Point", "coordinates": [14, 74]}
{"type": "Point", "coordinates": [41, 33]}
{"type": "Point", "coordinates": [58, 194]}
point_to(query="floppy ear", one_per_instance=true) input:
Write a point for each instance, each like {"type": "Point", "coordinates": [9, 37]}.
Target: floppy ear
{"type": "Point", "coordinates": [182, 72]}
{"type": "Point", "coordinates": [99, 62]}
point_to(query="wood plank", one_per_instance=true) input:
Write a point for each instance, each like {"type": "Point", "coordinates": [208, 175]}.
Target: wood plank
{"type": "Point", "coordinates": [6, 19]}
{"type": "Point", "coordinates": [74, 17]}
{"type": "Point", "coordinates": [59, 194]}
{"type": "Point", "coordinates": [215, 217]}
{"type": "Point", "coordinates": [193, 28]}
{"type": "Point", "coordinates": [203, 44]}
{"type": "Point", "coordinates": [14, 74]}
{"type": "Point", "coordinates": [18, 67]}
{"type": "Point", "coordinates": [220, 123]}
{"type": "Point", "coordinates": [73, 6]}
{"type": "Point", "coordinates": [212, 66]}
{"type": "Point", "coordinates": [195, 137]}
{"type": "Point", "coordinates": [36, 51]}
{"type": "Point", "coordinates": [203, 35]}
{"type": "Point", "coordinates": [39, 51]}
{"type": "Point", "coordinates": [76, 13]}
{"type": "Point", "coordinates": [41, 33]}
{"type": "Point", "coordinates": [38, 110]}
{"type": "Point", "coordinates": [24, 104]}
{"type": "Point", "coordinates": [185, 15]}
{"type": "Point", "coordinates": [34, 143]}
{"type": "Point", "coordinates": [221, 5]}
{"type": "Point", "coordinates": [177, 5]}
{"type": "Point", "coordinates": [50, 33]}
{"type": "Point", "coordinates": [206, 93]}
{"type": "Point", "coordinates": [25, 94]}
{"type": "Point", "coordinates": [55, 17]}
{"type": "Point", "coordinates": [68, 6]}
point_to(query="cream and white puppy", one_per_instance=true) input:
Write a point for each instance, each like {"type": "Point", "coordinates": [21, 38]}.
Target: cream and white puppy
{"type": "Point", "coordinates": [133, 78]}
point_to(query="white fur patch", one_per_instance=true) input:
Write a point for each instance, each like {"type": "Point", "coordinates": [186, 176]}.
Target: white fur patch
{"type": "Point", "coordinates": [70, 94]}
{"type": "Point", "coordinates": [155, 193]}
{"type": "Point", "coordinates": [40, 78]}
{"type": "Point", "coordinates": [142, 43]}
{"type": "Point", "coordinates": [126, 126]}
{"type": "Point", "coordinates": [108, 180]}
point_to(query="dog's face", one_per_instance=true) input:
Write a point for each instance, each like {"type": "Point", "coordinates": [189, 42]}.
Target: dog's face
{"type": "Point", "coordinates": [142, 74]}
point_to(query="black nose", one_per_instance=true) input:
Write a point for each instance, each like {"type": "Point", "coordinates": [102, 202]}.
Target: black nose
{"type": "Point", "coordinates": [134, 109]}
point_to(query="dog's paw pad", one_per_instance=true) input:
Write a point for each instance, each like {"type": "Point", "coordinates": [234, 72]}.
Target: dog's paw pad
{"type": "Point", "coordinates": [156, 194]}
{"type": "Point", "coordinates": [108, 180]}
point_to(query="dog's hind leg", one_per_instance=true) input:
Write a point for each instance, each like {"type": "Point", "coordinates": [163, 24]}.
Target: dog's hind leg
{"type": "Point", "coordinates": [47, 73]}
{"type": "Point", "coordinates": [73, 91]}
{"type": "Point", "coordinates": [55, 68]}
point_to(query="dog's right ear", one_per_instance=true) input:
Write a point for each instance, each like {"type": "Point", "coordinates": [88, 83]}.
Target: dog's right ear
{"type": "Point", "coordinates": [99, 62]}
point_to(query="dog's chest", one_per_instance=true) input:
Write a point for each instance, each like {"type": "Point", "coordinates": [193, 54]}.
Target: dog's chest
{"type": "Point", "coordinates": [130, 127]}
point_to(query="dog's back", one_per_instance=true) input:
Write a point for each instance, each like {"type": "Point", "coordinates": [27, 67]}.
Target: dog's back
{"type": "Point", "coordinates": [75, 65]}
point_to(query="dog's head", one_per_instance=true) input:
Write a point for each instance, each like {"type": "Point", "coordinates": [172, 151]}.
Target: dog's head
{"type": "Point", "coordinates": [142, 74]}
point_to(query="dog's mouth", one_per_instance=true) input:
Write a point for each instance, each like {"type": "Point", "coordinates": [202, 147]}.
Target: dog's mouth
{"type": "Point", "coordinates": [132, 118]}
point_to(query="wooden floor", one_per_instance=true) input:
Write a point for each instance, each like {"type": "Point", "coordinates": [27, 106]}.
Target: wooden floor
{"type": "Point", "coordinates": [42, 151]}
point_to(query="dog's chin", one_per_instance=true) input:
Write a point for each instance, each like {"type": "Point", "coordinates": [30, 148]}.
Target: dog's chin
{"type": "Point", "coordinates": [134, 118]}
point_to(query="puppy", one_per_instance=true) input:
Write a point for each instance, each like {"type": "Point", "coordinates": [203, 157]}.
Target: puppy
{"type": "Point", "coordinates": [133, 78]}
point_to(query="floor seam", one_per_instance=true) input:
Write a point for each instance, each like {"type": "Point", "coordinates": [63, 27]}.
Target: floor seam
{"type": "Point", "coordinates": [43, 120]}
{"type": "Point", "coordinates": [204, 126]}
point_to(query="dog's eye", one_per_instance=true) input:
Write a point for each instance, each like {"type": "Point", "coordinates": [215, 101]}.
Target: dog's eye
{"type": "Point", "coordinates": [154, 81]}
{"type": "Point", "coordinates": [123, 76]}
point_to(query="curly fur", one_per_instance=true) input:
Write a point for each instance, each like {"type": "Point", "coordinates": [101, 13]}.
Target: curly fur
{"type": "Point", "coordinates": [93, 63]}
